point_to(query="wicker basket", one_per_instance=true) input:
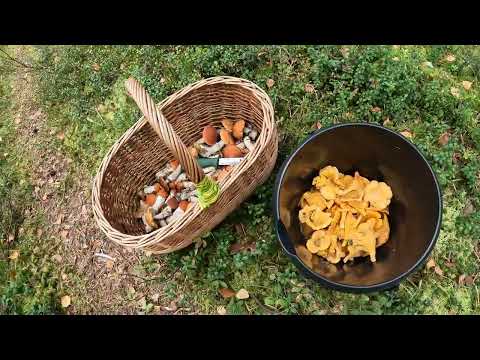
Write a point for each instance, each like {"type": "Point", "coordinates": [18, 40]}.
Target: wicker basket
{"type": "Point", "coordinates": [176, 123]}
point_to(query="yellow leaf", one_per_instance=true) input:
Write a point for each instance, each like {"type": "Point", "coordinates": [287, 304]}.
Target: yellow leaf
{"type": "Point", "coordinates": [309, 88]}
{"type": "Point", "coordinates": [14, 254]}
{"type": "Point", "coordinates": [66, 301]}
{"type": "Point", "coordinates": [455, 92]}
{"type": "Point", "coordinates": [221, 310]}
{"type": "Point", "coordinates": [430, 263]}
{"type": "Point", "coordinates": [407, 134]}
{"type": "Point", "coordinates": [450, 58]}
{"type": "Point", "coordinates": [242, 294]}
{"type": "Point", "coordinates": [467, 85]}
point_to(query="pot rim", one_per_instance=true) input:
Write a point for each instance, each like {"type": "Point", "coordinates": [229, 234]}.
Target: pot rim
{"type": "Point", "coordinates": [319, 278]}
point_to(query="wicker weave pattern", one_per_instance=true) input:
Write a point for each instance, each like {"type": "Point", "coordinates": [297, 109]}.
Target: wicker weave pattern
{"type": "Point", "coordinates": [176, 123]}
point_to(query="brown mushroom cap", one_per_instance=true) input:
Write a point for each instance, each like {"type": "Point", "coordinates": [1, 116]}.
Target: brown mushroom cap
{"type": "Point", "coordinates": [172, 203]}
{"type": "Point", "coordinates": [209, 135]}
{"type": "Point", "coordinates": [227, 124]}
{"type": "Point", "coordinates": [183, 205]}
{"type": "Point", "coordinates": [226, 137]}
{"type": "Point", "coordinates": [232, 151]}
{"type": "Point", "coordinates": [238, 129]}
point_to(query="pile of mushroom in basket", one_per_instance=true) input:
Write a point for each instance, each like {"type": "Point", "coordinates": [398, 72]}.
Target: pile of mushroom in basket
{"type": "Point", "coordinates": [217, 151]}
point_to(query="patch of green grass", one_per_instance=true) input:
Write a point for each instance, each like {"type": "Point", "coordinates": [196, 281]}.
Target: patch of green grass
{"type": "Point", "coordinates": [29, 282]}
{"type": "Point", "coordinates": [84, 95]}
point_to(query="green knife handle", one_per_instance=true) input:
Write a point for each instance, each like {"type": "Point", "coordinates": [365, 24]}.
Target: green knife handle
{"type": "Point", "coordinates": [207, 162]}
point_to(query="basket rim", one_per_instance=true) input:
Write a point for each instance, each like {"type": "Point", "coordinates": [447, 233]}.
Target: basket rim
{"type": "Point", "coordinates": [267, 133]}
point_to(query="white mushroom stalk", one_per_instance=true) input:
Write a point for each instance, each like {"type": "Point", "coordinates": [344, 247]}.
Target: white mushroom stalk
{"type": "Point", "coordinates": [207, 151]}
{"type": "Point", "coordinates": [166, 212]}
{"type": "Point", "coordinates": [246, 130]}
{"type": "Point", "coordinates": [209, 169]}
{"type": "Point", "coordinates": [188, 185]}
{"type": "Point", "coordinates": [164, 172]}
{"type": "Point", "coordinates": [163, 223]}
{"type": "Point", "coordinates": [176, 215]}
{"type": "Point", "coordinates": [159, 201]}
{"type": "Point", "coordinates": [241, 144]}
{"type": "Point", "coordinates": [185, 195]}
{"type": "Point", "coordinates": [248, 143]}
{"type": "Point", "coordinates": [193, 199]}
{"type": "Point", "coordinates": [174, 175]}
{"type": "Point", "coordinates": [182, 177]}
{"type": "Point", "coordinates": [253, 134]}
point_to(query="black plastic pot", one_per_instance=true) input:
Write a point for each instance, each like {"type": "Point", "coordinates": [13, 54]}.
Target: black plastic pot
{"type": "Point", "coordinates": [376, 153]}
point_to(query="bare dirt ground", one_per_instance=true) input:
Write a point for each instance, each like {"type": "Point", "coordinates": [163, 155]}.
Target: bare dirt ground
{"type": "Point", "coordinates": [97, 275]}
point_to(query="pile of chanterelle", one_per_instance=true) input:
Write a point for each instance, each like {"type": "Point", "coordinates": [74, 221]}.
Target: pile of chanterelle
{"type": "Point", "coordinates": [173, 193]}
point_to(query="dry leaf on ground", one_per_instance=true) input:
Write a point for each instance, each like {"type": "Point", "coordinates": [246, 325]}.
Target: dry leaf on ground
{"type": "Point", "coordinates": [242, 294]}
{"type": "Point", "coordinates": [66, 301]}
{"type": "Point", "coordinates": [467, 85]}
{"type": "Point", "coordinates": [443, 139]}
{"type": "Point", "coordinates": [427, 64]}
{"type": "Point", "coordinates": [238, 247]}
{"type": "Point", "coordinates": [226, 293]}
{"type": "Point", "coordinates": [96, 67]}
{"type": "Point", "coordinates": [14, 254]}
{"type": "Point", "coordinates": [61, 135]}
{"type": "Point", "coordinates": [270, 83]}
{"type": "Point", "coordinates": [309, 88]}
{"type": "Point", "coordinates": [387, 121]}
{"type": "Point", "coordinates": [438, 271]}
{"type": "Point", "coordinates": [407, 134]}
{"type": "Point", "coordinates": [431, 263]}
{"type": "Point", "coordinates": [221, 310]}
{"type": "Point", "coordinates": [375, 109]}
{"type": "Point", "coordinates": [450, 58]}
{"type": "Point", "coordinates": [461, 279]}
{"type": "Point", "coordinates": [455, 91]}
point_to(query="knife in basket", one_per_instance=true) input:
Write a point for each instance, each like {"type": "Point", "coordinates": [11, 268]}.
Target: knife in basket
{"type": "Point", "coordinates": [216, 162]}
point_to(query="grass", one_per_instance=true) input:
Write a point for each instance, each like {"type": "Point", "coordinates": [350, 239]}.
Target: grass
{"type": "Point", "coordinates": [409, 87]}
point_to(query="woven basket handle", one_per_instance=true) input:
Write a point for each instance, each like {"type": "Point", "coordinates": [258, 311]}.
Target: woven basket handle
{"type": "Point", "coordinates": [163, 128]}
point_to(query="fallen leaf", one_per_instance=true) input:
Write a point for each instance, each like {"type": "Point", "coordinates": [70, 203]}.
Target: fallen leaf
{"type": "Point", "coordinates": [221, 310]}
{"type": "Point", "coordinates": [407, 134]}
{"type": "Point", "coordinates": [172, 307]}
{"type": "Point", "coordinates": [375, 109]}
{"type": "Point", "coordinates": [66, 301]}
{"type": "Point", "coordinates": [468, 209]}
{"type": "Point", "coordinates": [345, 52]}
{"type": "Point", "coordinates": [57, 258]}
{"type": "Point", "coordinates": [438, 271]}
{"type": "Point", "coordinates": [318, 125]}
{"type": "Point", "coordinates": [237, 247]}
{"type": "Point", "coordinates": [455, 92]}
{"type": "Point", "coordinates": [430, 264]}
{"type": "Point", "coordinates": [467, 85]}
{"type": "Point", "coordinates": [461, 279]}
{"type": "Point", "coordinates": [96, 67]}
{"type": "Point", "coordinates": [39, 232]}
{"type": "Point", "coordinates": [109, 264]}
{"type": "Point", "coordinates": [59, 219]}
{"type": "Point", "coordinates": [14, 254]}
{"type": "Point", "coordinates": [469, 280]}
{"type": "Point", "coordinates": [449, 264]}
{"type": "Point", "coordinates": [10, 238]}
{"type": "Point", "coordinates": [61, 135]}
{"type": "Point", "coordinates": [226, 293]}
{"type": "Point", "coordinates": [64, 234]}
{"type": "Point", "coordinates": [450, 58]}
{"type": "Point", "coordinates": [242, 294]}
{"type": "Point", "coordinates": [396, 58]}
{"type": "Point", "coordinates": [443, 139]}
{"type": "Point", "coordinates": [64, 277]}
{"type": "Point", "coordinates": [309, 88]}
{"type": "Point", "coordinates": [387, 122]}
{"type": "Point", "coordinates": [427, 64]}
{"type": "Point", "coordinates": [162, 80]}
{"type": "Point", "coordinates": [270, 83]}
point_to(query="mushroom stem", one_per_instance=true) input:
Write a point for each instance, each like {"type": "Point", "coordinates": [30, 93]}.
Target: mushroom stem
{"type": "Point", "coordinates": [164, 171]}
{"type": "Point", "coordinates": [182, 177]}
{"type": "Point", "coordinates": [253, 134]}
{"type": "Point", "coordinates": [207, 151]}
{"type": "Point", "coordinates": [166, 212]}
{"type": "Point", "coordinates": [176, 214]}
{"type": "Point", "coordinates": [174, 175]}
{"type": "Point", "coordinates": [159, 201]}
{"type": "Point", "coordinates": [248, 143]}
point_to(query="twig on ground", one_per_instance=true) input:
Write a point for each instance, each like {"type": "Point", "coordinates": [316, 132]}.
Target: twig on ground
{"type": "Point", "coordinates": [269, 310]}
{"type": "Point", "coordinates": [11, 58]}
{"type": "Point", "coordinates": [102, 255]}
